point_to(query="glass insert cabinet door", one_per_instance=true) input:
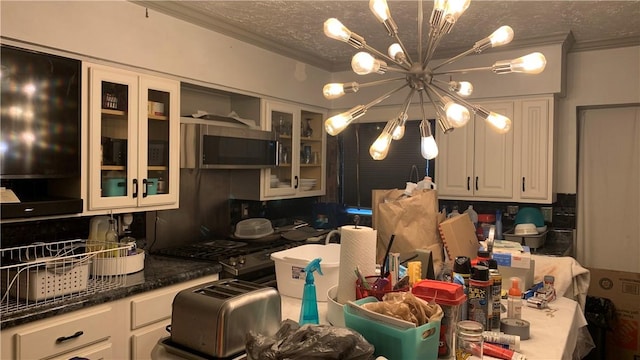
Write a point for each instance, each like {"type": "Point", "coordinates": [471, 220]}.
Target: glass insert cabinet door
{"type": "Point", "coordinates": [131, 130]}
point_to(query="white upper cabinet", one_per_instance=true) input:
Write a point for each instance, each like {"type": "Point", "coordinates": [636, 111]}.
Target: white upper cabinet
{"type": "Point", "coordinates": [133, 141]}
{"type": "Point", "coordinates": [301, 168]}
{"type": "Point", "coordinates": [478, 164]}
{"type": "Point", "coordinates": [533, 174]}
{"type": "Point", "coordinates": [475, 161]}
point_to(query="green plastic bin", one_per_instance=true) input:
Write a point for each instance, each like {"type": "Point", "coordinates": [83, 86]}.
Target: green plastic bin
{"type": "Point", "coordinates": [394, 343]}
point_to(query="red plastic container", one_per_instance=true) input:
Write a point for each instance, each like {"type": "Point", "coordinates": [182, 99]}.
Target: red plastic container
{"type": "Point", "coordinates": [450, 297]}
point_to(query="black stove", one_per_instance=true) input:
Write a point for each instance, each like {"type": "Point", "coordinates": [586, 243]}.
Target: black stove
{"type": "Point", "coordinates": [248, 260]}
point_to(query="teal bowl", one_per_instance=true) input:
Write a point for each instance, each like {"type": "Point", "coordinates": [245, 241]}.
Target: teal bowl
{"type": "Point", "coordinates": [530, 215]}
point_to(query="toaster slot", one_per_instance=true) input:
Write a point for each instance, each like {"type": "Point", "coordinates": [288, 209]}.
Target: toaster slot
{"type": "Point", "coordinates": [225, 290]}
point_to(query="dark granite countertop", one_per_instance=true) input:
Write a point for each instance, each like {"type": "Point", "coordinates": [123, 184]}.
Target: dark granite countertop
{"type": "Point", "coordinates": [159, 271]}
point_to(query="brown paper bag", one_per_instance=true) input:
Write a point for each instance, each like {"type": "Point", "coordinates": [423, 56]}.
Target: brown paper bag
{"type": "Point", "coordinates": [413, 220]}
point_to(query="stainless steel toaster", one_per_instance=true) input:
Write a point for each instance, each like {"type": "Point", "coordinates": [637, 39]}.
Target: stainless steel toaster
{"type": "Point", "coordinates": [214, 318]}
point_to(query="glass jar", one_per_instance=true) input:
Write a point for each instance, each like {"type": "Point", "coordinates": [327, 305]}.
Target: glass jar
{"type": "Point", "coordinates": [468, 340]}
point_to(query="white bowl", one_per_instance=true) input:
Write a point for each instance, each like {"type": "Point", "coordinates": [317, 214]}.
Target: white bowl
{"type": "Point", "coordinates": [335, 312]}
{"type": "Point", "coordinates": [525, 229]}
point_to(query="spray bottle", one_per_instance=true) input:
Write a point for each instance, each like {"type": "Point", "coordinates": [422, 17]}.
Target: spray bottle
{"type": "Point", "coordinates": [309, 310]}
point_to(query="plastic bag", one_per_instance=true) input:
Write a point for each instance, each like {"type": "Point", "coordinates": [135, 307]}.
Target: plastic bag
{"type": "Point", "coordinates": [309, 342]}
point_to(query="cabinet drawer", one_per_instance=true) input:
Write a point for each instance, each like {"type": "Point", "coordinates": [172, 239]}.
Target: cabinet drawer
{"type": "Point", "coordinates": [151, 309]}
{"type": "Point", "coordinates": [101, 351]}
{"type": "Point", "coordinates": [144, 341]}
{"type": "Point", "coordinates": [65, 334]}
{"type": "Point", "coordinates": [157, 305]}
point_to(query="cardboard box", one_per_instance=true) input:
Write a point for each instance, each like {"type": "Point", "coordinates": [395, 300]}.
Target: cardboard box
{"type": "Point", "coordinates": [459, 237]}
{"type": "Point", "coordinates": [513, 258]}
{"type": "Point", "coordinates": [623, 289]}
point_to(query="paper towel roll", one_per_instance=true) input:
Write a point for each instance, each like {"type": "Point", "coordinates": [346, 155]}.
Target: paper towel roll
{"type": "Point", "coordinates": [357, 248]}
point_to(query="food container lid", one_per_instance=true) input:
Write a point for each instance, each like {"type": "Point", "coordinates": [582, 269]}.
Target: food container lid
{"type": "Point", "coordinates": [253, 228]}
{"type": "Point", "coordinates": [444, 293]}
{"type": "Point", "coordinates": [486, 218]}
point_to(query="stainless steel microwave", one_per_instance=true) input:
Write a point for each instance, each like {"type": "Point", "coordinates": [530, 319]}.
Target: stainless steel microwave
{"type": "Point", "coordinates": [209, 146]}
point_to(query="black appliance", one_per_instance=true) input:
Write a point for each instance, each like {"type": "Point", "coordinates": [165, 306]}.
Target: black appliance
{"type": "Point", "coordinates": [40, 101]}
{"type": "Point", "coordinates": [245, 260]}
{"type": "Point", "coordinates": [209, 146]}
{"type": "Point", "coordinates": [40, 132]}
{"type": "Point", "coordinates": [114, 151]}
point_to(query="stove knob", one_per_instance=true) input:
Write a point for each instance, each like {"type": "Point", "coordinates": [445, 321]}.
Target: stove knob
{"type": "Point", "coordinates": [241, 259]}
{"type": "Point", "coordinates": [233, 261]}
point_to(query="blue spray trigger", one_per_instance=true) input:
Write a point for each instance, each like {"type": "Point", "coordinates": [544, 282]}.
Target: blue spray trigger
{"type": "Point", "coordinates": [314, 265]}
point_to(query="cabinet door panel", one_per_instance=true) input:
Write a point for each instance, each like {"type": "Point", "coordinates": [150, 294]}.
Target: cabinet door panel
{"type": "Point", "coordinates": [113, 138]}
{"type": "Point", "coordinates": [143, 342]}
{"type": "Point", "coordinates": [535, 150]}
{"type": "Point", "coordinates": [493, 162]}
{"type": "Point", "coordinates": [454, 164]}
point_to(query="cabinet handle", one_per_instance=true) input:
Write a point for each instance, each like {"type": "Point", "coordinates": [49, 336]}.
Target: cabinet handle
{"type": "Point", "coordinates": [62, 339]}
{"type": "Point", "coordinates": [468, 183]}
{"type": "Point", "coordinates": [296, 177]}
{"type": "Point", "coordinates": [523, 184]}
{"type": "Point", "coordinates": [135, 188]}
{"type": "Point", "coordinates": [144, 188]}
{"type": "Point", "coordinates": [476, 183]}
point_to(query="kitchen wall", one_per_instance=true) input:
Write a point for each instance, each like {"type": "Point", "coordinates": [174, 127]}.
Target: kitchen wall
{"type": "Point", "coordinates": [102, 32]}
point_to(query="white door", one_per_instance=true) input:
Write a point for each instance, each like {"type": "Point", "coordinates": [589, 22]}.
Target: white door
{"type": "Point", "coordinates": [608, 198]}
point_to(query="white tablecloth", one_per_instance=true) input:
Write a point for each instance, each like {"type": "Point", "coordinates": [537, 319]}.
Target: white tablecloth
{"type": "Point", "coordinates": [553, 333]}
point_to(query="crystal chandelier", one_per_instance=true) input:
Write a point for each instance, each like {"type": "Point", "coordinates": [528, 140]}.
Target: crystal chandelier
{"type": "Point", "coordinates": [420, 76]}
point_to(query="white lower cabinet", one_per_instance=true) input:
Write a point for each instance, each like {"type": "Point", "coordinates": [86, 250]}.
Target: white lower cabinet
{"type": "Point", "coordinates": [128, 328]}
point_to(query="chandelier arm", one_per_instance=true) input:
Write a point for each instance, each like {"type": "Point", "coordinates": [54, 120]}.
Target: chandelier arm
{"type": "Point", "coordinates": [403, 70]}
{"type": "Point", "coordinates": [457, 97]}
{"type": "Point", "coordinates": [404, 49]}
{"type": "Point", "coordinates": [383, 97]}
{"type": "Point", "coordinates": [385, 56]}
{"type": "Point", "coordinates": [424, 114]}
{"type": "Point", "coordinates": [434, 40]}
{"type": "Point", "coordinates": [455, 58]}
{"type": "Point", "coordinates": [462, 71]}
{"type": "Point", "coordinates": [420, 24]}
{"type": "Point", "coordinates": [407, 101]}
{"type": "Point", "coordinates": [444, 124]}
{"type": "Point", "coordinates": [380, 82]}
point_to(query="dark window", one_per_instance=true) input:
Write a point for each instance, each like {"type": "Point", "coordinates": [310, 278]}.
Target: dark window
{"type": "Point", "coordinates": [360, 173]}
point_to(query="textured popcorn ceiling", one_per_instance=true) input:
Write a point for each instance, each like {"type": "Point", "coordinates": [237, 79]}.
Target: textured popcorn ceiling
{"type": "Point", "coordinates": [294, 28]}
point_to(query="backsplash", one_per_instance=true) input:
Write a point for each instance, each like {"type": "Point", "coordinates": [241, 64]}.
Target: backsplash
{"type": "Point", "coordinates": [24, 233]}
{"type": "Point", "coordinates": [563, 213]}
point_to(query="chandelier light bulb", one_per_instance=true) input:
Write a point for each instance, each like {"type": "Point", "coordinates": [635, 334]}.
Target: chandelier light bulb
{"type": "Point", "coordinates": [457, 114]}
{"type": "Point", "coordinates": [533, 63]}
{"type": "Point", "coordinates": [455, 8]}
{"type": "Point", "coordinates": [395, 52]}
{"type": "Point", "coordinates": [334, 29]}
{"type": "Point", "coordinates": [380, 148]}
{"type": "Point", "coordinates": [428, 146]}
{"type": "Point", "coordinates": [380, 9]}
{"type": "Point", "coordinates": [502, 36]}
{"type": "Point", "coordinates": [398, 131]}
{"type": "Point", "coordinates": [335, 124]}
{"type": "Point", "coordinates": [336, 90]}
{"type": "Point", "coordinates": [364, 63]}
{"type": "Point", "coordinates": [333, 91]}
{"type": "Point", "coordinates": [462, 88]}
{"type": "Point", "coordinates": [499, 123]}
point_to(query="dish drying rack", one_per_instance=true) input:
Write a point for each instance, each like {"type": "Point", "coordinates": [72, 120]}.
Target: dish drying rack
{"type": "Point", "coordinates": [45, 273]}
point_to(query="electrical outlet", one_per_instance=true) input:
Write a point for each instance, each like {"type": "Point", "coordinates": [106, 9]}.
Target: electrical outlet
{"type": "Point", "coordinates": [244, 210]}
{"type": "Point", "coordinates": [547, 213]}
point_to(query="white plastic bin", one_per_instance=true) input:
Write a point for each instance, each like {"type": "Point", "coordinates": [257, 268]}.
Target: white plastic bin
{"type": "Point", "coordinates": [290, 266]}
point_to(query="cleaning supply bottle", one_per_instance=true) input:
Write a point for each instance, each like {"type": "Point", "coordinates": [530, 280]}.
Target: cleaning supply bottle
{"type": "Point", "coordinates": [473, 215]}
{"type": "Point", "coordinates": [499, 225]}
{"type": "Point", "coordinates": [309, 310]}
{"type": "Point", "coordinates": [514, 301]}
